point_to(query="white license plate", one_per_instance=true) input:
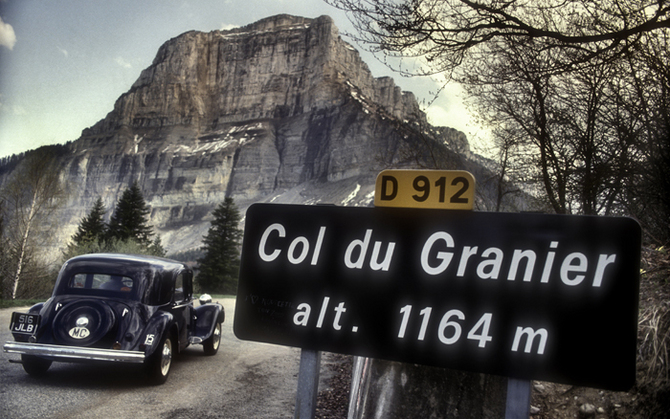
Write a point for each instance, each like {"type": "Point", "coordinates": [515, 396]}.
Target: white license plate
{"type": "Point", "coordinates": [24, 323]}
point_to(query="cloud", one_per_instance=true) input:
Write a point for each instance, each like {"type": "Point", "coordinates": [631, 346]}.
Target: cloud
{"type": "Point", "coordinates": [7, 35]}
{"type": "Point", "coordinates": [123, 63]}
{"type": "Point", "coordinates": [17, 110]}
{"type": "Point", "coordinates": [227, 27]}
{"type": "Point", "coordinates": [448, 109]}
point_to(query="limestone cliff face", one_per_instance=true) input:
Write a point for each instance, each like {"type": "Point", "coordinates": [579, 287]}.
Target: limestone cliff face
{"type": "Point", "coordinates": [282, 110]}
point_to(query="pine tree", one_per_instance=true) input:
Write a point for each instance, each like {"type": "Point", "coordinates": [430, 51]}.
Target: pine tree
{"type": "Point", "coordinates": [220, 265]}
{"type": "Point", "coordinates": [92, 228]}
{"type": "Point", "coordinates": [157, 248]}
{"type": "Point", "coordinates": [129, 221]}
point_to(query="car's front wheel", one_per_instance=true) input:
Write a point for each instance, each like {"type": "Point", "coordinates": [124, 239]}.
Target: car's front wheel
{"type": "Point", "coordinates": [159, 363]}
{"type": "Point", "coordinates": [212, 343]}
{"type": "Point", "coordinates": [35, 366]}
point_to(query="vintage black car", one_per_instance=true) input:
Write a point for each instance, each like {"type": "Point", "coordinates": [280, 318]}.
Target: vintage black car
{"type": "Point", "coordinates": [117, 308]}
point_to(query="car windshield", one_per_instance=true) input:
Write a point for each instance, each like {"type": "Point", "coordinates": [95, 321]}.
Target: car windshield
{"type": "Point", "coordinates": [117, 284]}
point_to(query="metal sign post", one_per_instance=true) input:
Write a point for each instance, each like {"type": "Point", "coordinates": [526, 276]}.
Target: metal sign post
{"type": "Point", "coordinates": [518, 399]}
{"type": "Point", "coordinates": [308, 384]}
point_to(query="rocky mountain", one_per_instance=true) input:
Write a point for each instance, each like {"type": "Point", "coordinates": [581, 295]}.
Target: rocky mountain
{"type": "Point", "coordinates": [282, 110]}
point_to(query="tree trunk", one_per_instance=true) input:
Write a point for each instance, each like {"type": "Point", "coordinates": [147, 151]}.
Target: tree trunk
{"type": "Point", "coordinates": [23, 245]}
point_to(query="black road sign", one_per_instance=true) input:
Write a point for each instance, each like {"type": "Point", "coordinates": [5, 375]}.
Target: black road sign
{"type": "Point", "coordinates": [531, 296]}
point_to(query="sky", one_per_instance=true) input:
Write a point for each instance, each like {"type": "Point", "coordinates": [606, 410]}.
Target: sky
{"type": "Point", "coordinates": [64, 63]}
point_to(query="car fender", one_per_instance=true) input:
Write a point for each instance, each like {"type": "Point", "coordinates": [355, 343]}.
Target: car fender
{"type": "Point", "coordinates": [206, 318]}
{"type": "Point", "coordinates": [159, 324]}
{"type": "Point", "coordinates": [37, 308]}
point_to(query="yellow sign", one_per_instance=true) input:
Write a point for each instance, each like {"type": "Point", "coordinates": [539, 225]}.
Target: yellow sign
{"type": "Point", "coordinates": [440, 189]}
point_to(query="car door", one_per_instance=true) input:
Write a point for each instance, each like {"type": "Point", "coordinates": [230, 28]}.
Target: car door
{"type": "Point", "coordinates": [182, 306]}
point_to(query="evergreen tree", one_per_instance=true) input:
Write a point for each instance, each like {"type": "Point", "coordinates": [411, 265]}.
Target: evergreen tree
{"type": "Point", "coordinates": [92, 228]}
{"type": "Point", "coordinates": [129, 221]}
{"type": "Point", "coordinates": [127, 231]}
{"type": "Point", "coordinates": [157, 248]}
{"type": "Point", "coordinates": [220, 265]}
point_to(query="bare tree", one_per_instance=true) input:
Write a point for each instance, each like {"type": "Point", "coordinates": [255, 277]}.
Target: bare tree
{"type": "Point", "coordinates": [3, 248]}
{"type": "Point", "coordinates": [448, 33]}
{"type": "Point", "coordinates": [31, 197]}
{"type": "Point", "coordinates": [562, 127]}
{"type": "Point", "coordinates": [575, 83]}
{"type": "Point", "coordinates": [647, 100]}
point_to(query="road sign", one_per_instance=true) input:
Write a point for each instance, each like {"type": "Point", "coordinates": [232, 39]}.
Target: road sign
{"type": "Point", "coordinates": [439, 189]}
{"type": "Point", "coordinates": [529, 296]}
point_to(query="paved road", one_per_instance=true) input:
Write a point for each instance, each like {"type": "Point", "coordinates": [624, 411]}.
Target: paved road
{"type": "Point", "coordinates": [244, 380]}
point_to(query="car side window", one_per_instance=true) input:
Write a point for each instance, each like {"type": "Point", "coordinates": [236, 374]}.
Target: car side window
{"type": "Point", "coordinates": [179, 289]}
{"type": "Point", "coordinates": [78, 281]}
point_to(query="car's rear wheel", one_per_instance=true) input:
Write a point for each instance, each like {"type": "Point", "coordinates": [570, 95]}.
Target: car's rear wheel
{"type": "Point", "coordinates": [212, 343]}
{"type": "Point", "coordinates": [34, 365]}
{"type": "Point", "coordinates": [159, 363]}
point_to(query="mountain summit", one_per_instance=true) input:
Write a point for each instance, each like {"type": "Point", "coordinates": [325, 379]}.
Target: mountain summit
{"type": "Point", "coordinates": [282, 110]}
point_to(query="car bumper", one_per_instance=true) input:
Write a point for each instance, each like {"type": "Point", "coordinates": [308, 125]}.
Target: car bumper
{"type": "Point", "coordinates": [73, 353]}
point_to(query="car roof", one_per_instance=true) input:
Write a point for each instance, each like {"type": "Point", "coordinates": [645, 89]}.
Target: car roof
{"type": "Point", "coordinates": [155, 275]}
{"type": "Point", "coordinates": [128, 260]}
